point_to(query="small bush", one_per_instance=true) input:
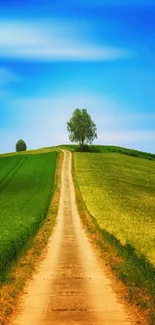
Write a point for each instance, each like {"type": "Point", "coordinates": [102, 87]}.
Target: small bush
{"type": "Point", "coordinates": [21, 145]}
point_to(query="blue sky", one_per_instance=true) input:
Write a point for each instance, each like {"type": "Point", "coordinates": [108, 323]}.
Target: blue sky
{"type": "Point", "coordinates": [58, 55]}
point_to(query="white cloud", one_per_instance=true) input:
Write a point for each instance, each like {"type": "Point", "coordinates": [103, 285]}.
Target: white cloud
{"type": "Point", "coordinates": [117, 117]}
{"type": "Point", "coordinates": [127, 136]}
{"type": "Point", "coordinates": [52, 41]}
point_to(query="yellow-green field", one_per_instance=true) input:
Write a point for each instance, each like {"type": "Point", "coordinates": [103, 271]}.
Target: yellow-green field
{"type": "Point", "coordinates": [119, 191]}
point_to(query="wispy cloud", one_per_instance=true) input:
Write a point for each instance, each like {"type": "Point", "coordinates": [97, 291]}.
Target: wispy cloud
{"type": "Point", "coordinates": [53, 41]}
{"type": "Point", "coordinates": [116, 2]}
{"type": "Point", "coordinates": [7, 77]}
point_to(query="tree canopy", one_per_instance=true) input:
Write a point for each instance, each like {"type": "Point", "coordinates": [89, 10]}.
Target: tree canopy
{"type": "Point", "coordinates": [81, 128]}
{"type": "Point", "coordinates": [21, 145]}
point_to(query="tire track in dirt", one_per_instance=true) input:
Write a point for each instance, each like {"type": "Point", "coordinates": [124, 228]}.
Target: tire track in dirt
{"type": "Point", "coordinates": [70, 286]}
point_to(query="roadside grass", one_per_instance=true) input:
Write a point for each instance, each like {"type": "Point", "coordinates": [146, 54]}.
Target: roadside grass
{"type": "Point", "coordinates": [26, 187]}
{"type": "Point", "coordinates": [119, 193]}
{"type": "Point", "coordinates": [28, 261]}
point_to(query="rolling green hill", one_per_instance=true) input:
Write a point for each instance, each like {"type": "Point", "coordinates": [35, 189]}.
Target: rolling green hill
{"type": "Point", "coordinates": [109, 149]}
{"type": "Point", "coordinates": [90, 149]}
{"type": "Point", "coordinates": [116, 186]}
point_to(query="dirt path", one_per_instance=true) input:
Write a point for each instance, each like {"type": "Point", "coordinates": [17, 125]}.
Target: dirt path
{"type": "Point", "coordinates": [70, 286]}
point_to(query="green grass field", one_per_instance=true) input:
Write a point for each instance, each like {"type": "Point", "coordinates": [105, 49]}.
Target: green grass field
{"type": "Point", "coordinates": [28, 152]}
{"type": "Point", "coordinates": [119, 191]}
{"type": "Point", "coordinates": [26, 185]}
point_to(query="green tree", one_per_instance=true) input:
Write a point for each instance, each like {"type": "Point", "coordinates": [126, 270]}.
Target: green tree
{"type": "Point", "coordinates": [21, 145]}
{"type": "Point", "coordinates": [81, 128]}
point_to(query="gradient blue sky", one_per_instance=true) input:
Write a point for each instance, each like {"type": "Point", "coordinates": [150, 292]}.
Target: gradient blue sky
{"type": "Point", "coordinates": [58, 55]}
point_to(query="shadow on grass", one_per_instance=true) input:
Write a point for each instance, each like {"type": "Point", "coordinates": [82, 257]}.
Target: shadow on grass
{"type": "Point", "coordinates": [91, 149]}
{"type": "Point", "coordinates": [133, 269]}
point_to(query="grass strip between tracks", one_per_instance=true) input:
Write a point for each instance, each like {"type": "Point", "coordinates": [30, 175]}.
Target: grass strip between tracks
{"type": "Point", "coordinates": [133, 275]}
{"type": "Point", "coordinates": [25, 267]}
